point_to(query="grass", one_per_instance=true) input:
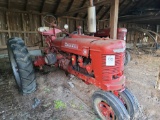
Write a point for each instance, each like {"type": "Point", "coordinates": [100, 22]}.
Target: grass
{"type": "Point", "coordinates": [58, 104]}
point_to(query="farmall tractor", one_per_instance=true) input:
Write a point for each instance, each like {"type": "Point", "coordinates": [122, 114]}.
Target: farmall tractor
{"type": "Point", "coordinates": [97, 61]}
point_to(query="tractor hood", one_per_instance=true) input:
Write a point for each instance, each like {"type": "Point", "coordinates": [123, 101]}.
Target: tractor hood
{"type": "Point", "coordinates": [109, 46]}
{"type": "Point", "coordinates": [82, 44]}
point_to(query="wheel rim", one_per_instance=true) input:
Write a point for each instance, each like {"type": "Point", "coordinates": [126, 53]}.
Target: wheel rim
{"type": "Point", "coordinates": [14, 67]}
{"type": "Point", "coordinates": [104, 110]}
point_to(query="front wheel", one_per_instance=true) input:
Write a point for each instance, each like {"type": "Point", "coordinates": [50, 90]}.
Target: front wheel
{"type": "Point", "coordinates": [22, 66]}
{"type": "Point", "coordinates": [108, 106]}
{"type": "Point", "coordinates": [130, 102]}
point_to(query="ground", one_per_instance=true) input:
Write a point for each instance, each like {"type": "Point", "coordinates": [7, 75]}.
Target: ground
{"type": "Point", "coordinates": [57, 100]}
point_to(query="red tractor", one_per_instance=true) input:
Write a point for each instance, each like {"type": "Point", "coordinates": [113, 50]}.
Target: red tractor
{"type": "Point", "coordinates": [95, 60]}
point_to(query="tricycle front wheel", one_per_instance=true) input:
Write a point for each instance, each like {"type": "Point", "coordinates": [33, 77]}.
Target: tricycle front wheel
{"type": "Point", "coordinates": [108, 106]}
{"type": "Point", "coordinates": [130, 102]}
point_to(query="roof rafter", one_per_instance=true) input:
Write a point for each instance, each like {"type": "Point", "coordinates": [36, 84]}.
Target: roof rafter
{"type": "Point", "coordinates": [85, 15]}
{"type": "Point", "coordinates": [42, 6]}
{"type": "Point", "coordinates": [84, 8]}
{"type": "Point", "coordinates": [120, 5]}
{"type": "Point", "coordinates": [70, 5]}
{"type": "Point", "coordinates": [56, 8]}
{"type": "Point", "coordinates": [26, 5]}
{"type": "Point", "coordinates": [100, 8]}
{"type": "Point", "coordinates": [81, 5]}
{"type": "Point", "coordinates": [125, 8]}
{"type": "Point", "coordinates": [8, 3]}
{"type": "Point", "coordinates": [106, 11]}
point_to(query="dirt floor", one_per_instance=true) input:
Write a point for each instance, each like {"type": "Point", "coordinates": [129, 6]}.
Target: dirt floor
{"type": "Point", "coordinates": [55, 99]}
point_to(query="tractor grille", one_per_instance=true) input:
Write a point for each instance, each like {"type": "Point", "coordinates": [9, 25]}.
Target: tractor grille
{"type": "Point", "coordinates": [113, 72]}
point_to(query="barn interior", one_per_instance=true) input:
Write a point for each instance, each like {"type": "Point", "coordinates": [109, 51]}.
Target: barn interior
{"type": "Point", "coordinates": [59, 97]}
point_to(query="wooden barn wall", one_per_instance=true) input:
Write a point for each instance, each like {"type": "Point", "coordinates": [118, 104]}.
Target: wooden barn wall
{"type": "Point", "coordinates": [17, 24]}
{"type": "Point", "coordinates": [73, 23]}
{"type": "Point", "coordinates": [25, 25]}
{"type": "Point", "coordinates": [131, 35]}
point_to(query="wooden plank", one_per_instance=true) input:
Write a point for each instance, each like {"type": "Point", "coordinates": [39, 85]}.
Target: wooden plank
{"type": "Point", "coordinates": [24, 25]}
{"type": "Point", "coordinates": [69, 17]}
{"type": "Point", "coordinates": [9, 2]}
{"type": "Point", "coordinates": [114, 18]}
{"type": "Point", "coordinates": [125, 8]}
{"type": "Point", "coordinates": [42, 6]}
{"type": "Point", "coordinates": [70, 5]}
{"type": "Point", "coordinates": [99, 9]}
{"type": "Point", "coordinates": [85, 8]}
{"type": "Point", "coordinates": [26, 5]}
{"type": "Point", "coordinates": [3, 49]}
{"type": "Point", "coordinates": [105, 13]}
{"type": "Point", "coordinates": [56, 8]}
{"type": "Point", "coordinates": [8, 25]}
{"type": "Point", "coordinates": [15, 31]}
{"type": "Point", "coordinates": [81, 5]}
{"type": "Point", "coordinates": [19, 11]}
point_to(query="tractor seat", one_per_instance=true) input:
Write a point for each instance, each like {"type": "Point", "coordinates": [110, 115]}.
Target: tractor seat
{"type": "Point", "coordinates": [43, 29]}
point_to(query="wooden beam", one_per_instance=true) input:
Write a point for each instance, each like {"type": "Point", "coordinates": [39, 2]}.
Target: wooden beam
{"type": "Point", "coordinates": [74, 18]}
{"type": "Point", "coordinates": [8, 25]}
{"type": "Point", "coordinates": [109, 9]}
{"type": "Point", "coordinates": [26, 5]}
{"type": "Point", "coordinates": [99, 9]}
{"type": "Point", "coordinates": [125, 8]}
{"type": "Point", "coordinates": [114, 18]}
{"type": "Point", "coordinates": [9, 2]}
{"type": "Point", "coordinates": [42, 6]}
{"type": "Point", "coordinates": [85, 8]}
{"type": "Point", "coordinates": [24, 25]}
{"type": "Point", "coordinates": [120, 5]}
{"type": "Point", "coordinates": [137, 18]}
{"type": "Point", "coordinates": [105, 13]}
{"type": "Point", "coordinates": [81, 5]}
{"type": "Point", "coordinates": [56, 7]}
{"type": "Point", "coordinates": [85, 16]}
{"type": "Point", "coordinates": [70, 5]}
{"type": "Point", "coordinates": [140, 3]}
{"type": "Point", "coordinates": [16, 31]}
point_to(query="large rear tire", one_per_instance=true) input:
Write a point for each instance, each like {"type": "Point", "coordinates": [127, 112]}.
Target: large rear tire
{"type": "Point", "coordinates": [22, 66]}
{"type": "Point", "coordinates": [108, 106]}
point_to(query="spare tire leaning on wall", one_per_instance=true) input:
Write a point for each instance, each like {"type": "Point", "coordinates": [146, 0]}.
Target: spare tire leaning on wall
{"type": "Point", "coordinates": [22, 65]}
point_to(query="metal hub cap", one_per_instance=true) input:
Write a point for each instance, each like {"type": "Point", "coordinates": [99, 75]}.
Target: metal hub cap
{"type": "Point", "coordinates": [106, 110]}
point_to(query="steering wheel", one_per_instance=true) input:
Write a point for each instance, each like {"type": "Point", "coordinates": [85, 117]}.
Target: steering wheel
{"type": "Point", "coordinates": [49, 19]}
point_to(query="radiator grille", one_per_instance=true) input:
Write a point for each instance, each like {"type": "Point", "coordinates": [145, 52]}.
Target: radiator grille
{"type": "Point", "coordinates": [113, 72]}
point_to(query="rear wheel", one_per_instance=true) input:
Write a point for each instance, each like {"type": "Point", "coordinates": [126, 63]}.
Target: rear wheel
{"type": "Point", "coordinates": [108, 106]}
{"type": "Point", "coordinates": [129, 102]}
{"type": "Point", "coordinates": [21, 64]}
